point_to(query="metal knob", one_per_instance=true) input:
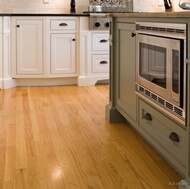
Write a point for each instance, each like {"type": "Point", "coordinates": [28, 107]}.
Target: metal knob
{"type": "Point", "coordinates": [17, 26]}
{"type": "Point", "coordinates": [107, 24]}
{"type": "Point", "coordinates": [97, 24]}
{"type": "Point", "coordinates": [73, 39]}
{"type": "Point", "coordinates": [133, 34]}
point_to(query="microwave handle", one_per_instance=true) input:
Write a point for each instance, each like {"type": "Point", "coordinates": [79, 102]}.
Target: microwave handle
{"type": "Point", "coordinates": [187, 61]}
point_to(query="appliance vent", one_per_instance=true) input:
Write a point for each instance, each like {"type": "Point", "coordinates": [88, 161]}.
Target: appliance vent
{"type": "Point", "coordinates": [161, 29]}
{"type": "Point", "coordinates": [175, 110]}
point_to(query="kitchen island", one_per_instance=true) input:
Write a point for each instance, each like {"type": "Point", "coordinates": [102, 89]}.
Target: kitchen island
{"type": "Point", "coordinates": [127, 105]}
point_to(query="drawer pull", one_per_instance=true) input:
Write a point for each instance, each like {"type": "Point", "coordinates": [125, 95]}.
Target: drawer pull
{"type": "Point", "coordinates": [73, 39]}
{"type": "Point", "coordinates": [103, 62]}
{"type": "Point", "coordinates": [63, 24]}
{"type": "Point", "coordinates": [173, 136]}
{"type": "Point", "coordinates": [148, 117]}
{"type": "Point", "coordinates": [103, 41]}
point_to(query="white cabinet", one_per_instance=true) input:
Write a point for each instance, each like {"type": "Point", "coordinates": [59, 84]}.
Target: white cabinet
{"type": "Point", "coordinates": [27, 60]}
{"type": "Point", "coordinates": [62, 53]}
{"type": "Point", "coordinates": [94, 55]}
{"type": "Point", "coordinates": [62, 47]}
{"type": "Point", "coordinates": [100, 42]}
{"type": "Point", "coordinates": [100, 63]}
{"type": "Point", "coordinates": [100, 54]}
{"type": "Point", "coordinates": [1, 52]}
{"type": "Point", "coordinates": [45, 49]}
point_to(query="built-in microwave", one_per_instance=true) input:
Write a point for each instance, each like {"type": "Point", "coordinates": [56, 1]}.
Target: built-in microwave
{"type": "Point", "coordinates": [160, 64]}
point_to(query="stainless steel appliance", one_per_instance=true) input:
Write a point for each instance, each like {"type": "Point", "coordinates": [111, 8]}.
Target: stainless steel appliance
{"type": "Point", "coordinates": [160, 70]}
{"type": "Point", "coordinates": [99, 21]}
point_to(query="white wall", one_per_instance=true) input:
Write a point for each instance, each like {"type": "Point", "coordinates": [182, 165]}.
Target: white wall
{"type": "Point", "coordinates": [37, 6]}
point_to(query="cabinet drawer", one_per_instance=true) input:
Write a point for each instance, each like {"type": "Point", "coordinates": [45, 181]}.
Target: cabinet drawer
{"type": "Point", "coordinates": [100, 63]}
{"type": "Point", "coordinates": [161, 128]}
{"type": "Point", "coordinates": [100, 42]}
{"type": "Point", "coordinates": [63, 24]}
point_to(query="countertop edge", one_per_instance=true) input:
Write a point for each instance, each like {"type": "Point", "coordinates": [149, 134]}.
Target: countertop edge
{"type": "Point", "coordinates": [44, 14]}
{"type": "Point", "coordinates": [153, 15]}
{"type": "Point", "coordinates": [183, 14]}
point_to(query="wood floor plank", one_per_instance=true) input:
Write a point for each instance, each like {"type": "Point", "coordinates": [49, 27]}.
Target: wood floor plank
{"type": "Point", "coordinates": [58, 138]}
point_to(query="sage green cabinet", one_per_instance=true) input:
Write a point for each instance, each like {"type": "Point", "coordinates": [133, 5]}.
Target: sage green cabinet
{"type": "Point", "coordinates": [126, 105]}
{"type": "Point", "coordinates": [125, 69]}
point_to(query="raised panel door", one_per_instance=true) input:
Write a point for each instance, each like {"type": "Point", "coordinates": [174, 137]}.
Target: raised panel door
{"type": "Point", "coordinates": [29, 47]}
{"type": "Point", "coordinates": [125, 69]}
{"type": "Point", "coordinates": [63, 54]}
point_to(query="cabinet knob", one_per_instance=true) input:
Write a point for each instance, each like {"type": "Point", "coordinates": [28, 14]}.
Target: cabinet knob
{"type": "Point", "coordinates": [133, 34]}
{"type": "Point", "coordinates": [173, 136]}
{"type": "Point", "coordinates": [73, 39]}
{"type": "Point", "coordinates": [148, 117]}
{"type": "Point", "coordinates": [17, 26]}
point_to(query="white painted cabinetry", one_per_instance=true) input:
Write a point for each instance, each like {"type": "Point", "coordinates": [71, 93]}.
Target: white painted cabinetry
{"type": "Point", "coordinates": [54, 50]}
{"type": "Point", "coordinates": [1, 60]}
{"type": "Point", "coordinates": [62, 53]}
{"type": "Point", "coordinates": [27, 60]}
{"type": "Point", "coordinates": [100, 54]}
{"type": "Point", "coordinates": [5, 38]}
{"type": "Point", "coordinates": [29, 47]}
{"type": "Point", "coordinates": [93, 55]}
{"type": "Point", "coordinates": [62, 47]}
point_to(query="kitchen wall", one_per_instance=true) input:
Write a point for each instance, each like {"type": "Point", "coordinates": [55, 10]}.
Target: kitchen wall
{"type": "Point", "coordinates": [63, 6]}
{"type": "Point", "coordinates": [37, 6]}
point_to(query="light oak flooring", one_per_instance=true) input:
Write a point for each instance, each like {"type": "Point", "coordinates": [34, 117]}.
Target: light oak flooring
{"type": "Point", "coordinates": [58, 138]}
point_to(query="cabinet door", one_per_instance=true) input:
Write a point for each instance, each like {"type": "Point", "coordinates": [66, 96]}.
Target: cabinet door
{"type": "Point", "coordinates": [125, 69]}
{"type": "Point", "coordinates": [29, 47]}
{"type": "Point", "coordinates": [62, 53]}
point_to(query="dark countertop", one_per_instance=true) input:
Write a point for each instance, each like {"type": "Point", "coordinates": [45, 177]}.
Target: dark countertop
{"type": "Point", "coordinates": [44, 14]}
{"type": "Point", "coordinates": [184, 14]}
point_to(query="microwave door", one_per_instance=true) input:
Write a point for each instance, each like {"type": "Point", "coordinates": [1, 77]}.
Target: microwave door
{"type": "Point", "coordinates": [176, 71]}
{"type": "Point", "coordinates": [151, 64]}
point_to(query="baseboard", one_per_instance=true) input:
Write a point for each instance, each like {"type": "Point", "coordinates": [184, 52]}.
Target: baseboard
{"type": "Point", "coordinates": [91, 80]}
{"type": "Point", "coordinates": [10, 83]}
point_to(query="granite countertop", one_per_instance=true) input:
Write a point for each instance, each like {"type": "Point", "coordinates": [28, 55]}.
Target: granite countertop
{"type": "Point", "coordinates": [44, 14]}
{"type": "Point", "coordinates": [184, 14]}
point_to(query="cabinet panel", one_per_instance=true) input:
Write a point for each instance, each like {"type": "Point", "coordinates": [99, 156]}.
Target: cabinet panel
{"type": "Point", "coordinates": [29, 45]}
{"type": "Point", "coordinates": [63, 24]}
{"type": "Point", "coordinates": [100, 42]}
{"type": "Point", "coordinates": [62, 53]}
{"type": "Point", "coordinates": [125, 69]}
{"type": "Point", "coordinates": [100, 63]}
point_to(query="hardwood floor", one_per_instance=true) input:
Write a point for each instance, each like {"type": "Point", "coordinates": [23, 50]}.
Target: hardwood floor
{"type": "Point", "coordinates": [58, 138]}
